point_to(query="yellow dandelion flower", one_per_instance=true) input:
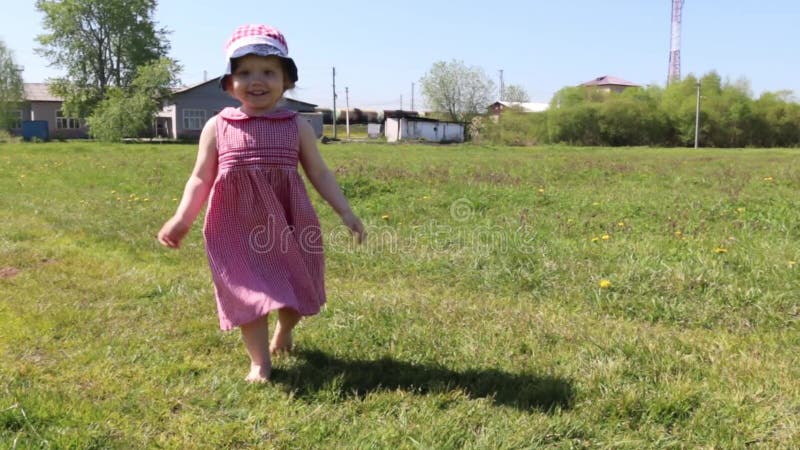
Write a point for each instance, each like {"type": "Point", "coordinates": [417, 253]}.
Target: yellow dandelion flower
{"type": "Point", "coordinates": [768, 178]}
{"type": "Point", "coordinates": [620, 224]}
{"type": "Point", "coordinates": [174, 199]}
{"type": "Point", "coordinates": [604, 284]}
{"type": "Point", "coordinates": [113, 192]}
{"type": "Point", "coordinates": [425, 197]}
{"type": "Point", "coordinates": [606, 237]}
{"type": "Point", "coordinates": [720, 250]}
{"type": "Point", "coordinates": [595, 239]}
{"type": "Point", "coordinates": [740, 210]}
{"type": "Point", "coordinates": [541, 190]}
{"type": "Point", "coordinates": [385, 217]}
{"type": "Point", "coordinates": [678, 232]}
{"type": "Point", "coordinates": [596, 204]}
{"type": "Point", "coordinates": [791, 263]}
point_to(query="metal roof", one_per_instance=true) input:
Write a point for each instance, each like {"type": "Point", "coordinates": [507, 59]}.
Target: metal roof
{"type": "Point", "coordinates": [608, 80]}
{"type": "Point", "coordinates": [38, 92]}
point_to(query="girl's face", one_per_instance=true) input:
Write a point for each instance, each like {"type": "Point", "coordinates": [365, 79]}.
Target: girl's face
{"type": "Point", "coordinates": [258, 82]}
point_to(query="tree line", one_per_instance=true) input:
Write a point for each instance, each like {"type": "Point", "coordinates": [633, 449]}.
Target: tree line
{"type": "Point", "coordinates": [729, 116]}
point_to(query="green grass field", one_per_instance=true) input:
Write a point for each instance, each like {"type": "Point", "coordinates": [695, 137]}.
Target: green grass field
{"type": "Point", "coordinates": [548, 297]}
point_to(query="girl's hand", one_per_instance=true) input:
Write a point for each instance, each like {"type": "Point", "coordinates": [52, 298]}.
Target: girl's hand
{"type": "Point", "coordinates": [354, 224]}
{"type": "Point", "coordinates": [173, 232]}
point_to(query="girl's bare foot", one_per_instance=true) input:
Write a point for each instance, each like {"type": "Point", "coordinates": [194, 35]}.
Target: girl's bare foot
{"type": "Point", "coordinates": [281, 341]}
{"type": "Point", "coordinates": [282, 338]}
{"type": "Point", "coordinates": [254, 335]}
{"type": "Point", "coordinates": [258, 374]}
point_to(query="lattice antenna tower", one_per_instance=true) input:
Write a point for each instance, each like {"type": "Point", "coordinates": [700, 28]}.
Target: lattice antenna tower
{"type": "Point", "coordinates": [675, 43]}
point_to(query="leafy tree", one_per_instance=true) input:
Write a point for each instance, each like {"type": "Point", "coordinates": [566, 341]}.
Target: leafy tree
{"type": "Point", "coordinates": [100, 43]}
{"type": "Point", "coordinates": [577, 125]}
{"type": "Point", "coordinates": [457, 90]}
{"type": "Point", "coordinates": [515, 93]}
{"type": "Point", "coordinates": [778, 115]}
{"type": "Point", "coordinates": [10, 87]}
{"type": "Point", "coordinates": [157, 79]}
{"type": "Point", "coordinates": [627, 120]}
{"type": "Point", "coordinates": [576, 95]}
{"type": "Point", "coordinates": [130, 112]}
{"type": "Point", "coordinates": [678, 102]}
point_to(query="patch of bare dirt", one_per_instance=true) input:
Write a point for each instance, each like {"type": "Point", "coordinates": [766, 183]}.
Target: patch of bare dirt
{"type": "Point", "coordinates": [8, 272]}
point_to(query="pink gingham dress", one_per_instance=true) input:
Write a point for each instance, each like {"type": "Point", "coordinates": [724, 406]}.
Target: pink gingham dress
{"type": "Point", "coordinates": [262, 236]}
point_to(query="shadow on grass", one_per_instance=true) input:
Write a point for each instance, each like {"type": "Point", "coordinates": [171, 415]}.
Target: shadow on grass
{"type": "Point", "coordinates": [317, 375]}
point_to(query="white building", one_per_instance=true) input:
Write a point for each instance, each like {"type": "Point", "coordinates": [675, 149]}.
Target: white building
{"type": "Point", "coordinates": [410, 127]}
{"type": "Point", "coordinates": [498, 106]}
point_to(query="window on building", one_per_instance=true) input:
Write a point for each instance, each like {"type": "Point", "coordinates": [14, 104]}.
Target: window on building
{"type": "Point", "coordinates": [63, 123]}
{"type": "Point", "coordinates": [193, 119]}
{"type": "Point", "coordinates": [17, 123]}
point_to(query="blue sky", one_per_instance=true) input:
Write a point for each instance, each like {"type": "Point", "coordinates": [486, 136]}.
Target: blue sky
{"type": "Point", "coordinates": [381, 48]}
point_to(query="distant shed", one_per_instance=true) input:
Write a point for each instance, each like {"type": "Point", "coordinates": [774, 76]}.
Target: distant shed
{"type": "Point", "coordinates": [402, 125]}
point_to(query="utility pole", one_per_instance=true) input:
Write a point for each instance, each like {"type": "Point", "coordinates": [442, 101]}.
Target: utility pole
{"type": "Point", "coordinates": [333, 113]}
{"type": "Point", "coordinates": [347, 111]}
{"type": "Point", "coordinates": [502, 86]}
{"type": "Point", "coordinates": [412, 96]}
{"type": "Point", "coordinates": [401, 102]}
{"type": "Point", "coordinates": [697, 117]}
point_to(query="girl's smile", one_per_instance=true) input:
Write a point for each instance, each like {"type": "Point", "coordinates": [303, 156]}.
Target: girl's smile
{"type": "Point", "coordinates": [258, 82]}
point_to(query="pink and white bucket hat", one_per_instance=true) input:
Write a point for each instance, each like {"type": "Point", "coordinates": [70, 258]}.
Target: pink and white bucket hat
{"type": "Point", "coordinates": [261, 40]}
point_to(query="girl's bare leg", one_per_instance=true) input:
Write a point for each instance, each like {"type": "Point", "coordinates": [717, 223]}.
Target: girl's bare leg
{"type": "Point", "coordinates": [255, 335]}
{"type": "Point", "coordinates": [282, 338]}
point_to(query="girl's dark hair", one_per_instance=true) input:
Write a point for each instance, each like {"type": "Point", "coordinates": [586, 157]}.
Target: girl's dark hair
{"type": "Point", "coordinates": [287, 80]}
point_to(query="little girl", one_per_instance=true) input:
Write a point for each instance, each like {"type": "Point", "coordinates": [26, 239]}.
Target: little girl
{"type": "Point", "coordinates": [262, 236]}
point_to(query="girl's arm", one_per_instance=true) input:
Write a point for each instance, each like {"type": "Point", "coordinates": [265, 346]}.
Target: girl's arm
{"type": "Point", "coordinates": [323, 179]}
{"type": "Point", "coordinates": [197, 189]}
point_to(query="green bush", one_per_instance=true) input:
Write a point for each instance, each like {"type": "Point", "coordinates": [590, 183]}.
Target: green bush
{"type": "Point", "coordinates": [6, 136]}
{"type": "Point", "coordinates": [511, 128]}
